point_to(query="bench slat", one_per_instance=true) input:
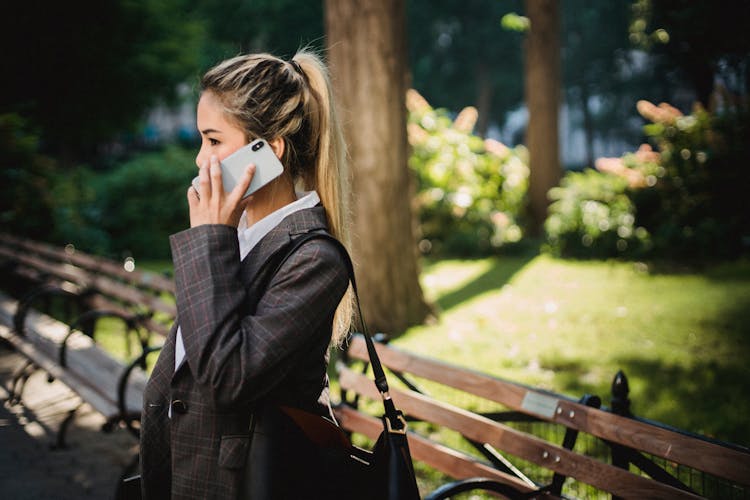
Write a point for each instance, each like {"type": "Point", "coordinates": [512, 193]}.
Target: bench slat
{"type": "Point", "coordinates": [89, 367]}
{"type": "Point", "coordinates": [103, 405]}
{"type": "Point", "coordinates": [702, 455]}
{"type": "Point", "coordinates": [92, 263]}
{"type": "Point", "coordinates": [105, 285]}
{"type": "Point", "coordinates": [585, 469]}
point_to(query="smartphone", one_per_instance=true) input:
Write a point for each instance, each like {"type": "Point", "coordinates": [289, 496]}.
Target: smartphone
{"type": "Point", "coordinates": [259, 153]}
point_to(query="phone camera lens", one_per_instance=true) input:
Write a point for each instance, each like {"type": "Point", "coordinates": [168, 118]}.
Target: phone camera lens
{"type": "Point", "coordinates": [257, 146]}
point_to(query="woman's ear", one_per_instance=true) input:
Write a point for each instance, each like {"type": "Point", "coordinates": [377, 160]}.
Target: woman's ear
{"type": "Point", "coordinates": [278, 146]}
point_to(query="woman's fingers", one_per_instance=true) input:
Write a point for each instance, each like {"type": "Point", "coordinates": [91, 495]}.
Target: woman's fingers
{"type": "Point", "coordinates": [205, 181]}
{"type": "Point", "coordinates": [212, 205]}
{"type": "Point", "coordinates": [217, 187]}
{"type": "Point", "coordinates": [193, 197]}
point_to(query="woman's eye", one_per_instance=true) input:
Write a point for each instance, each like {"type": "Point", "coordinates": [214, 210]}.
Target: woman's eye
{"type": "Point", "coordinates": [213, 142]}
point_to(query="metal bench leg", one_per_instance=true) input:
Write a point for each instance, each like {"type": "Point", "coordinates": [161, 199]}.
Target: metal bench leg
{"type": "Point", "coordinates": [60, 443]}
{"type": "Point", "coordinates": [569, 441]}
{"type": "Point", "coordinates": [18, 382]}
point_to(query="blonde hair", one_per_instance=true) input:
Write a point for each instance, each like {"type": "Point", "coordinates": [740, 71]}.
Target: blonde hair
{"type": "Point", "coordinates": [271, 98]}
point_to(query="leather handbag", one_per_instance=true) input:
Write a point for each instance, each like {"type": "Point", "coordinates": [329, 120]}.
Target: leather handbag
{"type": "Point", "coordinates": [296, 454]}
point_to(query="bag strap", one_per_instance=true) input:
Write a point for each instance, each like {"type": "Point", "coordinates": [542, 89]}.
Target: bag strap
{"type": "Point", "coordinates": [396, 420]}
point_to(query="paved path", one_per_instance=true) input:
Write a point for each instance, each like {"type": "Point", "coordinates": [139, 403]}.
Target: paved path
{"type": "Point", "coordinates": [89, 467]}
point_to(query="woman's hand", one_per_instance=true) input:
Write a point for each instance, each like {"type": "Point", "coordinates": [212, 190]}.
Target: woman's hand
{"type": "Point", "coordinates": [213, 205]}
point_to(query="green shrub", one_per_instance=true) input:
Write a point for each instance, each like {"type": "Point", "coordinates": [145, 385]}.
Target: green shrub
{"type": "Point", "coordinates": [686, 201]}
{"type": "Point", "coordinates": [77, 211]}
{"type": "Point", "coordinates": [469, 191]}
{"type": "Point", "coordinates": [696, 209]}
{"type": "Point", "coordinates": [130, 210]}
{"type": "Point", "coordinates": [143, 201]}
{"type": "Point", "coordinates": [26, 206]}
{"type": "Point", "coordinates": [591, 215]}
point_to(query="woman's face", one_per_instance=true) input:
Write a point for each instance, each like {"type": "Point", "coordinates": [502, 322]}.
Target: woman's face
{"type": "Point", "coordinates": [219, 135]}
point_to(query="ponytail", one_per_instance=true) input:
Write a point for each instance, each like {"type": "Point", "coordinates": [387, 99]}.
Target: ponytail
{"type": "Point", "coordinates": [331, 173]}
{"type": "Point", "coordinates": [331, 169]}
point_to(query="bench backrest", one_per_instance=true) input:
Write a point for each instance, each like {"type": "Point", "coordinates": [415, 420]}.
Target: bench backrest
{"type": "Point", "coordinates": [108, 284]}
{"type": "Point", "coordinates": [730, 464]}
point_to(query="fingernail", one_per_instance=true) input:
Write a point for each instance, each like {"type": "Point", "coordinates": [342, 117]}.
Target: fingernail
{"type": "Point", "coordinates": [213, 158]}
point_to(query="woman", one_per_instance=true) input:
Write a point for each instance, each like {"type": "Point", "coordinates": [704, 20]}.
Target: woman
{"type": "Point", "coordinates": [245, 337]}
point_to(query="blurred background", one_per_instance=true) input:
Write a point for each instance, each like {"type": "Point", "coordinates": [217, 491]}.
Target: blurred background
{"type": "Point", "coordinates": [573, 176]}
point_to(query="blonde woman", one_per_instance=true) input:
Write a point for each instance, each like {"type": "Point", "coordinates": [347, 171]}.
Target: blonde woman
{"type": "Point", "coordinates": [238, 340]}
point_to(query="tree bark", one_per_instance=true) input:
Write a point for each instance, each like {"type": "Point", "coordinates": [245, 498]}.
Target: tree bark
{"type": "Point", "coordinates": [588, 126]}
{"type": "Point", "coordinates": [542, 89]}
{"type": "Point", "coordinates": [485, 93]}
{"type": "Point", "coordinates": [366, 42]}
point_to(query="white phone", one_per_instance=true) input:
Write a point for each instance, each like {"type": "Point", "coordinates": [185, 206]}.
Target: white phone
{"type": "Point", "coordinates": [267, 167]}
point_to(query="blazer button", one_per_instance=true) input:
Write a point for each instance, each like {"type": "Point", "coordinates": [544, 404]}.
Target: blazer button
{"type": "Point", "coordinates": [179, 406]}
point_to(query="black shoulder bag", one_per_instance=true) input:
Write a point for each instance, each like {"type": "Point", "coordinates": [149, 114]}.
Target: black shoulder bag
{"type": "Point", "coordinates": [295, 454]}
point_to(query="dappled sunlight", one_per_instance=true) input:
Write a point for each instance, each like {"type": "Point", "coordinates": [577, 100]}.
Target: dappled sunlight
{"type": "Point", "coordinates": [453, 283]}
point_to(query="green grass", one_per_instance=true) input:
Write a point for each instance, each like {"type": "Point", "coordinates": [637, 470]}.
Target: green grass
{"type": "Point", "coordinates": [682, 338]}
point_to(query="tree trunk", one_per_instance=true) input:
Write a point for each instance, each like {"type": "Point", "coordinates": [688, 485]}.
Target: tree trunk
{"type": "Point", "coordinates": [542, 88]}
{"type": "Point", "coordinates": [485, 92]}
{"type": "Point", "coordinates": [588, 126]}
{"type": "Point", "coordinates": [366, 42]}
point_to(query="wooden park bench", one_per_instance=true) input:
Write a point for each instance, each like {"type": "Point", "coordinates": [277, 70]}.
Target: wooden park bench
{"type": "Point", "coordinates": [80, 290]}
{"type": "Point", "coordinates": [96, 283]}
{"type": "Point", "coordinates": [502, 429]}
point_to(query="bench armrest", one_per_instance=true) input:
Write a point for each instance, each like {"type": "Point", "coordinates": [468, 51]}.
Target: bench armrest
{"type": "Point", "coordinates": [19, 318]}
{"type": "Point", "coordinates": [122, 386]}
{"type": "Point", "coordinates": [478, 483]}
{"type": "Point", "coordinates": [92, 316]}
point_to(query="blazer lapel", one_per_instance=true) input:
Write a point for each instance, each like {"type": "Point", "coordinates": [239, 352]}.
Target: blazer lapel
{"type": "Point", "coordinates": [296, 223]}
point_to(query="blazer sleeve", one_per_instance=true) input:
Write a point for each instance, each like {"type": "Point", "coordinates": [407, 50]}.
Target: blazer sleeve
{"type": "Point", "coordinates": [234, 356]}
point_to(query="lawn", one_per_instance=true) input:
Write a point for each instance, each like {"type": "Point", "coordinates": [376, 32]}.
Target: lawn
{"type": "Point", "coordinates": [681, 337]}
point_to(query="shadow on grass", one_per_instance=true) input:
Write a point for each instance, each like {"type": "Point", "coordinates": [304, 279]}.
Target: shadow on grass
{"type": "Point", "coordinates": [500, 273]}
{"type": "Point", "coordinates": [706, 397]}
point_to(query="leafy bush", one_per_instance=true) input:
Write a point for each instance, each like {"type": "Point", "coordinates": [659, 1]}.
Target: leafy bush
{"type": "Point", "coordinates": [129, 210]}
{"type": "Point", "coordinates": [470, 191]}
{"type": "Point", "coordinates": [26, 205]}
{"type": "Point", "coordinates": [696, 207]}
{"type": "Point", "coordinates": [592, 216]}
{"type": "Point", "coordinates": [143, 201]}
{"type": "Point", "coordinates": [684, 201]}
{"type": "Point", "coordinates": [75, 216]}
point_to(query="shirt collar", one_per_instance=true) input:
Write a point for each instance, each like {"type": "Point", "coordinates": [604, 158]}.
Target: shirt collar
{"type": "Point", "coordinates": [250, 236]}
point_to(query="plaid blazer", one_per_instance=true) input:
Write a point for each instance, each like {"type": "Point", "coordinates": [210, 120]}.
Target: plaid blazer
{"type": "Point", "coordinates": [242, 344]}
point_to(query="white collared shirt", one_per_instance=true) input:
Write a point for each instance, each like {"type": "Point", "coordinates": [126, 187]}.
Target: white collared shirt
{"type": "Point", "coordinates": [249, 237]}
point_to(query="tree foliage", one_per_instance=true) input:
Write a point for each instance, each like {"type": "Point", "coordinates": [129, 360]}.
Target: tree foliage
{"type": "Point", "coordinates": [86, 71]}
{"type": "Point", "coordinates": [26, 204]}
{"type": "Point", "coordinates": [460, 55]}
{"type": "Point", "coordinates": [698, 41]}
{"type": "Point", "coordinates": [238, 26]}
